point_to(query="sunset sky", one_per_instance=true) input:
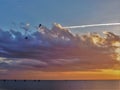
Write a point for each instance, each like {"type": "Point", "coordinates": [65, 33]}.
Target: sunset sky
{"type": "Point", "coordinates": [53, 52]}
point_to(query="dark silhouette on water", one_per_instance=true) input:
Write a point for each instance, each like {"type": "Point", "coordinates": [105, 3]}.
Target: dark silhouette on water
{"type": "Point", "coordinates": [24, 80]}
{"type": "Point", "coordinates": [38, 80]}
{"type": "Point", "coordinates": [4, 80]}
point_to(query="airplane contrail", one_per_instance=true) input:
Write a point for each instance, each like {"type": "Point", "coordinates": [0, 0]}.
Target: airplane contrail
{"type": "Point", "coordinates": [92, 25]}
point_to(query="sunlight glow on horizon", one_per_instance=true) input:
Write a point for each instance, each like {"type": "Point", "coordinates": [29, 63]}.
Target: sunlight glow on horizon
{"type": "Point", "coordinates": [103, 74]}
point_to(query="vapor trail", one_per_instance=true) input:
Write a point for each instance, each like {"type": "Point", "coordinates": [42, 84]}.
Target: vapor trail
{"type": "Point", "coordinates": [93, 25]}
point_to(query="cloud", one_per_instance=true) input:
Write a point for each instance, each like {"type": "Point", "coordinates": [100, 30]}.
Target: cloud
{"type": "Point", "coordinates": [58, 50]}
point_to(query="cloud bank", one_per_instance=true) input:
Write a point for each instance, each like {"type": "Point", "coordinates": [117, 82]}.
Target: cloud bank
{"type": "Point", "coordinates": [57, 49]}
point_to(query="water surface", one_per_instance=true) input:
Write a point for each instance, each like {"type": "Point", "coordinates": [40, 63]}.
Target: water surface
{"type": "Point", "coordinates": [58, 85]}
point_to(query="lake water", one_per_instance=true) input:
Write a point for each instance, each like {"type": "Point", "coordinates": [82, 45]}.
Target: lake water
{"type": "Point", "coordinates": [58, 85]}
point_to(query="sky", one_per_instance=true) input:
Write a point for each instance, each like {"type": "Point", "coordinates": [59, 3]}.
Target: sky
{"type": "Point", "coordinates": [53, 52]}
{"type": "Point", "coordinates": [64, 12]}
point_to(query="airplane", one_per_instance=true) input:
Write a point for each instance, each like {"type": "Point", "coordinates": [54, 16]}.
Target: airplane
{"type": "Point", "coordinates": [26, 28]}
